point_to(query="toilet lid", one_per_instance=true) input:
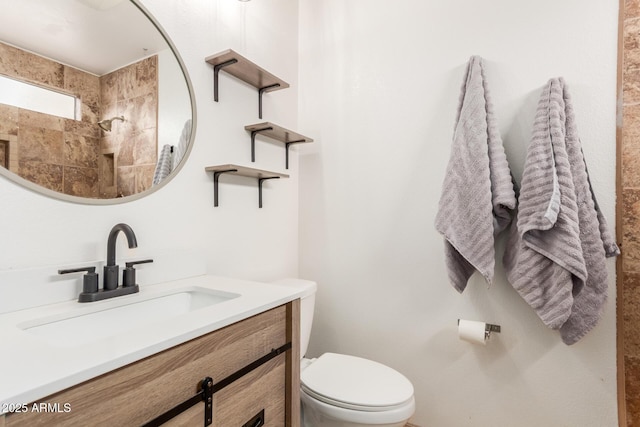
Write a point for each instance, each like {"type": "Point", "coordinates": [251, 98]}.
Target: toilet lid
{"type": "Point", "coordinates": [355, 383]}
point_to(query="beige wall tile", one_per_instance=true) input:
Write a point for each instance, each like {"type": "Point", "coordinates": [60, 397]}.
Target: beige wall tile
{"type": "Point", "coordinates": [632, 388]}
{"type": "Point", "coordinates": [82, 182]}
{"type": "Point", "coordinates": [81, 151]}
{"type": "Point", "coordinates": [4, 154]}
{"type": "Point", "coordinates": [9, 60]}
{"type": "Point", "coordinates": [9, 119]}
{"type": "Point", "coordinates": [146, 111]}
{"type": "Point", "coordinates": [630, 308]}
{"type": "Point", "coordinates": [631, 9]}
{"type": "Point", "coordinates": [86, 87]}
{"type": "Point", "coordinates": [631, 61]}
{"type": "Point", "coordinates": [45, 174]}
{"type": "Point", "coordinates": [144, 176]}
{"type": "Point", "coordinates": [90, 129]}
{"type": "Point", "coordinates": [42, 145]}
{"type": "Point", "coordinates": [40, 70]}
{"type": "Point", "coordinates": [109, 89]}
{"type": "Point", "coordinates": [126, 148]}
{"type": "Point", "coordinates": [631, 146]}
{"type": "Point", "coordinates": [146, 77]}
{"type": "Point", "coordinates": [145, 150]}
{"type": "Point", "coordinates": [127, 108]}
{"type": "Point", "coordinates": [631, 230]}
{"type": "Point", "coordinates": [34, 119]}
{"type": "Point", "coordinates": [126, 180]}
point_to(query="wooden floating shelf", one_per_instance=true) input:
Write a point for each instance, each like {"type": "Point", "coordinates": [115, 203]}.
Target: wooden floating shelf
{"type": "Point", "coordinates": [245, 70]}
{"type": "Point", "coordinates": [259, 174]}
{"type": "Point", "coordinates": [278, 133]}
{"type": "Point", "coordinates": [245, 171]}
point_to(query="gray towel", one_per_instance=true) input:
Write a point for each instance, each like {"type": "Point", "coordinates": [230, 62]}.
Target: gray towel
{"type": "Point", "coordinates": [163, 167]}
{"type": "Point", "coordinates": [182, 146]}
{"type": "Point", "coordinates": [555, 255]}
{"type": "Point", "coordinates": [477, 198]}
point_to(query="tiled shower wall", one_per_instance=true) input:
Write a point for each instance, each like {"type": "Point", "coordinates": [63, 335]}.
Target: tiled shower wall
{"type": "Point", "coordinates": [131, 92]}
{"type": "Point", "coordinates": [73, 156]}
{"type": "Point", "coordinates": [56, 153]}
{"type": "Point", "coordinates": [629, 211]}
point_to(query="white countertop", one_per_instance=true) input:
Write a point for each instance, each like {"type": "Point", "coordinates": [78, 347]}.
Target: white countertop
{"type": "Point", "coordinates": [32, 367]}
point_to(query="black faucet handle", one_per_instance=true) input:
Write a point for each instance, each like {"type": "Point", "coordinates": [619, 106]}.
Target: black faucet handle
{"type": "Point", "coordinates": [77, 270]}
{"type": "Point", "coordinates": [89, 281]}
{"type": "Point", "coordinates": [129, 273]}
{"type": "Point", "coordinates": [132, 263]}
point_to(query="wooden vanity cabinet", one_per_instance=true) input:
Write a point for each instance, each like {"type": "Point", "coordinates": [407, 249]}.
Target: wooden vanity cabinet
{"type": "Point", "coordinates": [141, 391]}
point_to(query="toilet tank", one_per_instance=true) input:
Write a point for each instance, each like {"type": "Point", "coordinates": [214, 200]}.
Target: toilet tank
{"type": "Point", "coordinates": [307, 305]}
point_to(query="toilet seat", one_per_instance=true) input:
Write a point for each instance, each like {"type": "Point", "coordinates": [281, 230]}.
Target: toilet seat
{"type": "Point", "coordinates": [355, 383]}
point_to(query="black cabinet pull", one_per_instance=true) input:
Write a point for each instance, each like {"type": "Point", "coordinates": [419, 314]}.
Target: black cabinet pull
{"type": "Point", "coordinates": [204, 395]}
{"type": "Point", "coordinates": [256, 421]}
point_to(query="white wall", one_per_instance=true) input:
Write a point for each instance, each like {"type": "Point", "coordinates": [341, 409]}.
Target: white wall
{"type": "Point", "coordinates": [236, 239]}
{"type": "Point", "coordinates": [379, 86]}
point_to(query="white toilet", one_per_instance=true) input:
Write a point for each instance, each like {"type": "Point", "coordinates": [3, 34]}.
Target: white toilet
{"type": "Point", "coordinates": [346, 391]}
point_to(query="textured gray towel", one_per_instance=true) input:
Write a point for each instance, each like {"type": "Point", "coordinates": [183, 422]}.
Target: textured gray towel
{"type": "Point", "coordinates": [555, 255]}
{"type": "Point", "coordinates": [163, 167]}
{"type": "Point", "coordinates": [181, 148]}
{"type": "Point", "coordinates": [477, 198]}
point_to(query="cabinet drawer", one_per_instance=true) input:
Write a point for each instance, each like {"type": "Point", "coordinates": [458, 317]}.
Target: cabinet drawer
{"type": "Point", "coordinates": [139, 392]}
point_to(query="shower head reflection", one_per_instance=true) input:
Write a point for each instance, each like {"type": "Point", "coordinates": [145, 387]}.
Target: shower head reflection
{"type": "Point", "coordinates": [105, 125]}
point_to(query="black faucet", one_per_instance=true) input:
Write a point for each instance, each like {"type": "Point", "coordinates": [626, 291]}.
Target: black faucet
{"type": "Point", "coordinates": [111, 269]}
{"type": "Point", "coordinates": [110, 288]}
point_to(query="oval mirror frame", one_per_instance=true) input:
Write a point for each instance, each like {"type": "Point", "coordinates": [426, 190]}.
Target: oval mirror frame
{"type": "Point", "coordinates": [29, 185]}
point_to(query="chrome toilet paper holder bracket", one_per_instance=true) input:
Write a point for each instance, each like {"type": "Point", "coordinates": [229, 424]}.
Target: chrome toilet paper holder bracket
{"type": "Point", "coordinates": [488, 328]}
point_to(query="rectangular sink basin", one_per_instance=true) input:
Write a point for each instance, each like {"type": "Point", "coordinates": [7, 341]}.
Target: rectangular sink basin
{"type": "Point", "coordinates": [83, 328]}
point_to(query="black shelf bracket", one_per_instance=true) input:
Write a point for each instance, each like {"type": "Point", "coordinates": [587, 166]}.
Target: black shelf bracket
{"type": "Point", "coordinates": [216, 178]}
{"type": "Point", "coordinates": [260, 92]}
{"type": "Point", "coordinates": [216, 71]}
{"type": "Point", "coordinates": [286, 150]}
{"type": "Point", "coordinates": [253, 141]}
{"type": "Point", "coordinates": [260, 180]}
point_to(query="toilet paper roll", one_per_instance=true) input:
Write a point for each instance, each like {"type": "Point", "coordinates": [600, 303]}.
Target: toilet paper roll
{"type": "Point", "coordinates": [472, 331]}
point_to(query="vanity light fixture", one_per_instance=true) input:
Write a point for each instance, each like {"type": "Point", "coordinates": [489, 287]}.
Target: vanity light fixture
{"type": "Point", "coordinates": [105, 125]}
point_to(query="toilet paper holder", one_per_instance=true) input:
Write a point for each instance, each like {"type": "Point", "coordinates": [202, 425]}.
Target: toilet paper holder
{"type": "Point", "coordinates": [488, 328]}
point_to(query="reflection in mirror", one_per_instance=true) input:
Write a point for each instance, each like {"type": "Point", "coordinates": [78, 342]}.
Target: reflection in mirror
{"type": "Point", "coordinates": [132, 122]}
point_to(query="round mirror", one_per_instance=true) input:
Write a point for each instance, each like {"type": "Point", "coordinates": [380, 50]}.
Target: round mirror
{"type": "Point", "coordinates": [95, 103]}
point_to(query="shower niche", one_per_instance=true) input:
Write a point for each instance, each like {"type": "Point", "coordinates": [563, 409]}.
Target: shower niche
{"type": "Point", "coordinates": [108, 177]}
{"type": "Point", "coordinates": [9, 152]}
